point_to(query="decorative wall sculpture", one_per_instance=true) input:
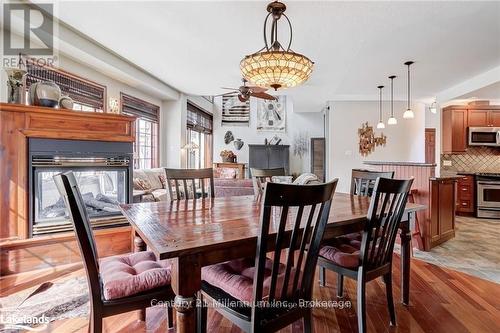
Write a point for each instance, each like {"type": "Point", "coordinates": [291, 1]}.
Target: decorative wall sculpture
{"type": "Point", "coordinates": [271, 115]}
{"type": "Point", "coordinates": [301, 144]}
{"type": "Point", "coordinates": [368, 141]}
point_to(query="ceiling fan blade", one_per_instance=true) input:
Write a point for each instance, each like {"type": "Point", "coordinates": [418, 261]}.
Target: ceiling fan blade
{"type": "Point", "coordinates": [230, 88]}
{"type": "Point", "coordinates": [242, 99]}
{"type": "Point", "coordinates": [256, 89]}
{"type": "Point", "coordinates": [225, 94]}
{"type": "Point", "coordinates": [264, 96]}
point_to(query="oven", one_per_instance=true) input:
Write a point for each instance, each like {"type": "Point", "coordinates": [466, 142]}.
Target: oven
{"type": "Point", "coordinates": [488, 195]}
{"type": "Point", "coordinates": [484, 136]}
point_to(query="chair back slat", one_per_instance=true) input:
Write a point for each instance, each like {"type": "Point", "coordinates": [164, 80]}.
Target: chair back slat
{"type": "Point", "coordinates": [282, 213]}
{"type": "Point", "coordinates": [384, 215]}
{"type": "Point", "coordinates": [176, 177]}
{"type": "Point", "coordinates": [68, 188]}
{"type": "Point", "coordinates": [262, 176]}
{"type": "Point", "coordinates": [362, 181]}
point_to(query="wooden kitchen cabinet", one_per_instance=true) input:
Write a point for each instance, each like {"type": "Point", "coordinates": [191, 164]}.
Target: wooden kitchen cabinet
{"type": "Point", "coordinates": [495, 118]}
{"type": "Point", "coordinates": [441, 225]}
{"type": "Point", "coordinates": [483, 118]}
{"type": "Point", "coordinates": [466, 195]}
{"type": "Point", "coordinates": [454, 130]}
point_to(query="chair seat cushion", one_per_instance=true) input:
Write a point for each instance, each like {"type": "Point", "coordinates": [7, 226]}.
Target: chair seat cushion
{"type": "Point", "coordinates": [132, 274]}
{"type": "Point", "coordinates": [342, 255]}
{"type": "Point", "coordinates": [235, 277]}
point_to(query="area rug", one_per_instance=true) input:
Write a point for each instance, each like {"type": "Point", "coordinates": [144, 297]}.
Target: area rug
{"type": "Point", "coordinates": [65, 299]}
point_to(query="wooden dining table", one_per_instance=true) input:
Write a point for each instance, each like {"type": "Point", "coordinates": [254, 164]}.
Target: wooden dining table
{"type": "Point", "coordinates": [202, 232]}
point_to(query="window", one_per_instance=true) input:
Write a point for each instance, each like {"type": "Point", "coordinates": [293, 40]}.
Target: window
{"type": "Point", "coordinates": [87, 95]}
{"type": "Point", "coordinates": [146, 127]}
{"type": "Point", "coordinates": [199, 132]}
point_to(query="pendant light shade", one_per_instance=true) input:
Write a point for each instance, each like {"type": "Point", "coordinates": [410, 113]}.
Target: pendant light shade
{"type": "Point", "coordinates": [274, 65]}
{"type": "Point", "coordinates": [392, 120]}
{"type": "Point", "coordinates": [433, 108]}
{"type": "Point", "coordinates": [408, 114]}
{"type": "Point", "coordinates": [380, 122]}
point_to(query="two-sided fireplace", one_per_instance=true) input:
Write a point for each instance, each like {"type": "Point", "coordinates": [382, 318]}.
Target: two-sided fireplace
{"type": "Point", "coordinates": [104, 174]}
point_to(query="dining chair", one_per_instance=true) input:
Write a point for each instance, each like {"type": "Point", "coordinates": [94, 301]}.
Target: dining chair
{"type": "Point", "coordinates": [362, 181]}
{"type": "Point", "coordinates": [190, 183]}
{"type": "Point", "coordinates": [292, 219]}
{"type": "Point", "coordinates": [117, 284]}
{"type": "Point", "coordinates": [374, 257]}
{"type": "Point", "coordinates": [262, 176]}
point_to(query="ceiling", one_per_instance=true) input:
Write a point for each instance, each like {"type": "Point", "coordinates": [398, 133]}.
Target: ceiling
{"type": "Point", "coordinates": [196, 46]}
{"type": "Point", "coordinates": [491, 92]}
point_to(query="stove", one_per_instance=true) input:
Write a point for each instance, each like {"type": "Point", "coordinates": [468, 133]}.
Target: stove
{"type": "Point", "coordinates": [488, 195]}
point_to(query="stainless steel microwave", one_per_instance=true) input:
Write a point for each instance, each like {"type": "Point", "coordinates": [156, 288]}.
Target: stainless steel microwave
{"type": "Point", "coordinates": [484, 136]}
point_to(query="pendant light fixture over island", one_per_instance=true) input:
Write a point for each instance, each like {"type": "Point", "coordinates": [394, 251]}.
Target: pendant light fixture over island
{"type": "Point", "coordinates": [392, 120]}
{"type": "Point", "coordinates": [408, 114]}
{"type": "Point", "coordinates": [380, 122]}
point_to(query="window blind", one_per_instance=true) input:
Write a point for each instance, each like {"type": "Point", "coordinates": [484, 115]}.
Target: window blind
{"type": "Point", "coordinates": [199, 120]}
{"type": "Point", "coordinates": [139, 108]}
{"type": "Point", "coordinates": [80, 90]}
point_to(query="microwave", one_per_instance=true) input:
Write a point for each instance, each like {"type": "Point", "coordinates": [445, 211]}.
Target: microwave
{"type": "Point", "coordinates": [484, 136]}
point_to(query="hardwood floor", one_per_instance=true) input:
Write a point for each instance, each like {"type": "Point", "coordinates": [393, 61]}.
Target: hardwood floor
{"type": "Point", "coordinates": [442, 300]}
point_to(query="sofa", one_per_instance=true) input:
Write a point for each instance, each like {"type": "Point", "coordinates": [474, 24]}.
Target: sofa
{"type": "Point", "coordinates": [150, 185]}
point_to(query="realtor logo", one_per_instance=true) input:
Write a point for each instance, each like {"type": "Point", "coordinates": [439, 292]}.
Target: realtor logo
{"type": "Point", "coordinates": [35, 24]}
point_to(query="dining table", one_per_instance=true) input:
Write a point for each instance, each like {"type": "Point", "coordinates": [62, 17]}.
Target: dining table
{"type": "Point", "coordinates": [201, 232]}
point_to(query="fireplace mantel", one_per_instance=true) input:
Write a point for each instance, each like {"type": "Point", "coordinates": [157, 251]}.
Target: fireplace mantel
{"type": "Point", "coordinates": [20, 122]}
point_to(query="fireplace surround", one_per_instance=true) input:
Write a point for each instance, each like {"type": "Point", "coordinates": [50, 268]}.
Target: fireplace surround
{"type": "Point", "coordinates": [104, 174]}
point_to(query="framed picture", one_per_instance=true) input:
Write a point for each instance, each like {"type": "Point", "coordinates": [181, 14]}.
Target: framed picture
{"type": "Point", "coordinates": [271, 115]}
{"type": "Point", "coordinates": [235, 112]}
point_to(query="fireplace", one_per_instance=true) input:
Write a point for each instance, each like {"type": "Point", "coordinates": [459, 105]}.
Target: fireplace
{"type": "Point", "coordinates": [104, 174]}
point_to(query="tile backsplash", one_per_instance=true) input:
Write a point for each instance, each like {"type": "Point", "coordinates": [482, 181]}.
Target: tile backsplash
{"type": "Point", "coordinates": [475, 159]}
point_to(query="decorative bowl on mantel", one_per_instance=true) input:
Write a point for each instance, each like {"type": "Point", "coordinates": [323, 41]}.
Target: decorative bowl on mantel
{"type": "Point", "coordinates": [44, 94]}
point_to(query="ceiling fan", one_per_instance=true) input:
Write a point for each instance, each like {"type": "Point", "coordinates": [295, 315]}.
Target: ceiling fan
{"type": "Point", "coordinates": [245, 92]}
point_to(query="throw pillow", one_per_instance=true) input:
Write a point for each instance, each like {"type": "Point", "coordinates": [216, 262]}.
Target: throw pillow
{"type": "Point", "coordinates": [141, 184]}
{"type": "Point", "coordinates": [163, 181]}
{"type": "Point", "coordinates": [227, 173]}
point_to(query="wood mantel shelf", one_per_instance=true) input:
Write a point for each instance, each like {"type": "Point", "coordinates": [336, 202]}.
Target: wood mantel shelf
{"type": "Point", "coordinates": [18, 123]}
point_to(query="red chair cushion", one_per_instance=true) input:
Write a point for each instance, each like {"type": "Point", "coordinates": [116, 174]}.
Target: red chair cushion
{"type": "Point", "coordinates": [341, 254]}
{"type": "Point", "coordinates": [235, 277]}
{"type": "Point", "coordinates": [132, 274]}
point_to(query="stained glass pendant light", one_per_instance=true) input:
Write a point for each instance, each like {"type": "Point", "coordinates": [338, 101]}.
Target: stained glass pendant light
{"type": "Point", "coordinates": [274, 66]}
{"type": "Point", "coordinates": [380, 122]}
{"type": "Point", "coordinates": [408, 114]}
{"type": "Point", "coordinates": [392, 120]}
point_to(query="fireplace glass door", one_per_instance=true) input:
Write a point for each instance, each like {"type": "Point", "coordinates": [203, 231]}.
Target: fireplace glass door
{"type": "Point", "coordinates": [102, 191]}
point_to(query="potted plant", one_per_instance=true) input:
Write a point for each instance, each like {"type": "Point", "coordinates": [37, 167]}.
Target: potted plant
{"type": "Point", "coordinates": [228, 156]}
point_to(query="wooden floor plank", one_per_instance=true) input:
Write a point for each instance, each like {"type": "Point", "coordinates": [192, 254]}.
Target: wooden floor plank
{"type": "Point", "coordinates": [442, 300]}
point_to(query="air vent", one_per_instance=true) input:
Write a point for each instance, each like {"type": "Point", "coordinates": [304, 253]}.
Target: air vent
{"type": "Point", "coordinates": [55, 161]}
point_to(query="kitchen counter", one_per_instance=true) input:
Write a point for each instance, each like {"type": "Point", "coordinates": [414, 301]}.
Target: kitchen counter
{"type": "Point", "coordinates": [418, 164]}
{"type": "Point", "coordinates": [457, 177]}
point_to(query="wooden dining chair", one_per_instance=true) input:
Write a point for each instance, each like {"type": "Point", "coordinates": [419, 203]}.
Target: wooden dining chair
{"type": "Point", "coordinates": [262, 176]}
{"type": "Point", "coordinates": [190, 183]}
{"type": "Point", "coordinates": [291, 217]}
{"type": "Point", "coordinates": [374, 258]}
{"type": "Point", "coordinates": [362, 181]}
{"type": "Point", "coordinates": [116, 284]}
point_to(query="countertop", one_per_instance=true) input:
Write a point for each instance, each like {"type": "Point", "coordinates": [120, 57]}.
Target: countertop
{"type": "Point", "coordinates": [446, 178]}
{"type": "Point", "coordinates": [419, 164]}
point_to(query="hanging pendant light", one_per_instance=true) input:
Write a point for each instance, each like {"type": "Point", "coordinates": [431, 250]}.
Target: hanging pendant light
{"type": "Point", "coordinates": [392, 120]}
{"type": "Point", "coordinates": [408, 114]}
{"type": "Point", "coordinates": [274, 66]}
{"type": "Point", "coordinates": [433, 108]}
{"type": "Point", "coordinates": [380, 122]}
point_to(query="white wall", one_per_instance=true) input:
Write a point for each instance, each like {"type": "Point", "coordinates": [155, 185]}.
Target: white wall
{"type": "Point", "coordinates": [405, 141]}
{"type": "Point", "coordinates": [307, 122]}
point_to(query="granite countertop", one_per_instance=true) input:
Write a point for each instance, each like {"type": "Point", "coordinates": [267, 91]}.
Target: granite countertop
{"type": "Point", "coordinates": [419, 164]}
{"type": "Point", "coordinates": [446, 178]}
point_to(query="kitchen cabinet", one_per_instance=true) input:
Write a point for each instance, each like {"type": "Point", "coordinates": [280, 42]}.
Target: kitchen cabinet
{"type": "Point", "coordinates": [454, 130]}
{"type": "Point", "coordinates": [441, 225]}
{"type": "Point", "coordinates": [483, 118]}
{"type": "Point", "coordinates": [466, 195]}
